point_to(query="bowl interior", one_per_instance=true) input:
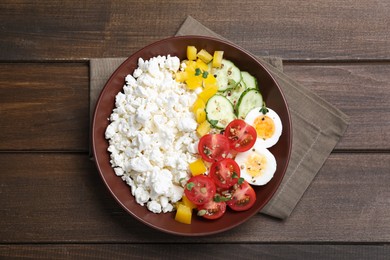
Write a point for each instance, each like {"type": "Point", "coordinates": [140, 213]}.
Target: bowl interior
{"type": "Point", "coordinates": [176, 46]}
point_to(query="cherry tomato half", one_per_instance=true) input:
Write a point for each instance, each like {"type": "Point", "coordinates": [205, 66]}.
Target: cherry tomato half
{"type": "Point", "coordinates": [212, 209]}
{"type": "Point", "coordinates": [225, 173]}
{"type": "Point", "coordinates": [243, 197]}
{"type": "Point", "coordinates": [200, 189]}
{"type": "Point", "coordinates": [213, 147]}
{"type": "Point", "coordinates": [241, 135]}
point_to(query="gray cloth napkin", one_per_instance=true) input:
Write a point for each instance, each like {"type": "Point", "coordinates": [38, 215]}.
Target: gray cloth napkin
{"type": "Point", "coordinates": [314, 136]}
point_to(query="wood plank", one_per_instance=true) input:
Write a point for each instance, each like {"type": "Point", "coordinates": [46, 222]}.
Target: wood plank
{"type": "Point", "coordinates": [47, 108]}
{"type": "Point", "coordinates": [44, 106]}
{"type": "Point", "coordinates": [52, 30]}
{"type": "Point", "coordinates": [57, 198]}
{"type": "Point", "coordinates": [195, 251]}
{"type": "Point", "coordinates": [361, 90]}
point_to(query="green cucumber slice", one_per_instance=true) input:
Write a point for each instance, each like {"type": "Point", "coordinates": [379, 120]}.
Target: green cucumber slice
{"type": "Point", "coordinates": [219, 111]}
{"type": "Point", "coordinates": [250, 99]}
{"type": "Point", "coordinates": [228, 76]}
{"type": "Point", "coordinates": [234, 94]}
{"type": "Point", "coordinates": [249, 80]}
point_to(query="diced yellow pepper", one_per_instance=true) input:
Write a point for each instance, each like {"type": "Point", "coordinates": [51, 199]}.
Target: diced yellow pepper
{"type": "Point", "coordinates": [197, 167]}
{"type": "Point", "coordinates": [183, 214]}
{"type": "Point", "coordinates": [201, 65]}
{"type": "Point", "coordinates": [200, 115]}
{"type": "Point", "coordinates": [203, 128]}
{"type": "Point", "coordinates": [188, 203]}
{"type": "Point", "coordinates": [190, 67]}
{"type": "Point", "coordinates": [210, 80]}
{"type": "Point", "coordinates": [204, 56]}
{"type": "Point", "coordinates": [194, 82]}
{"type": "Point", "coordinates": [210, 69]}
{"type": "Point", "coordinates": [217, 59]}
{"type": "Point", "coordinates": [191, 52]}
{"type": "Point", "coordinates": [181, 76]}
{"type": "Point", "coordinates": [208, 92]}
{"type": "Point", "coordinates": [198, 104]}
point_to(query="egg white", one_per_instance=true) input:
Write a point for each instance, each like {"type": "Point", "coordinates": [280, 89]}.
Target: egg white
{"type": "Point", "coordinates": [255, 113]}
{"type": "Point", "coordinates": [267, 163]}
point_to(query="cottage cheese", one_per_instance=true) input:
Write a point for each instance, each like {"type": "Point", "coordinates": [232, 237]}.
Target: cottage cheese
{"type": "Point", "coordinates": [151, 134]}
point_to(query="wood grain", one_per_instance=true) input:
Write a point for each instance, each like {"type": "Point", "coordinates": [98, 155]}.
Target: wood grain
{"type": "Point", "coordinates": [300, 30]}
{"type": "Point", "coordinates": [198, 251]}
{"type": "Point", "coordinates": [59, 197]}
{"type": "Point", "coordinates": [44, 106]}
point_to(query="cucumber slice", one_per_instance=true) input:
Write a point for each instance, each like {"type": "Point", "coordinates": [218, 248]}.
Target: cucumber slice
{"type": "Point", "coordinates": [234, 94]}
{"type": "Point", "coordinates": [249, 80]}
{"type": "Point", "coordinates": [250, 99]}
{"type": "Point", "coordinates": [228, 76]}
{"type": "Point", "coordinates": [219, 111]}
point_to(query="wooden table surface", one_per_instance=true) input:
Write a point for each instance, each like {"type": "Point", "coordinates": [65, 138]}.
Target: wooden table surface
{"type": "Point", "coordinates": [53, 202]}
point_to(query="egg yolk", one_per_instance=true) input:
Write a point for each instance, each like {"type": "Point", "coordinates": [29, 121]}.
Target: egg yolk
{"type": "Point", "coordinates": [255, 164]}
{"type": "Point", "coordinates": [265, 127]}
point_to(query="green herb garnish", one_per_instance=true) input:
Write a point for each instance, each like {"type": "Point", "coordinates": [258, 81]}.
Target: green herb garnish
{"type": "Point", "coordinates": [264, 109]}
{"type": "Point", "coordinates": [190, 185]}
{"type": "Point", "coordinates": [197, 72]}
{"type": "Point", "coordinates": [219, 198]}
{"type": "Point", "coordinates": [240, 181]}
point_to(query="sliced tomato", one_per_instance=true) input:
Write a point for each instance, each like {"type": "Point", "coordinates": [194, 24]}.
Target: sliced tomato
{"type": "Point", "coordinates": [200, 189]}
{"type": "Point", "coordinates": [243, 197]}
{"type": "Point", "coordinates": [241, 135]}
{"type": "Point", "coordinates": [225, 173]}
{"type": "Point", "coordinates": [212, 209]}
{"type": "Point", "coordinates": [213, 147]}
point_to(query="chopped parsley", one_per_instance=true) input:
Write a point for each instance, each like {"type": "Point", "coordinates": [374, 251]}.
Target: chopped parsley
{"type": "Point", "coordinates": [219, 198]}
{"type": "Point", "coordinates": [264, 109]}
{"type": "Point", "coordinates": [190, 185]}
{"type": "Point", "coordinates": [197, 72]}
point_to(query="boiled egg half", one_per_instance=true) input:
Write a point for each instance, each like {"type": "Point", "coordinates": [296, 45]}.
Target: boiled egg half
{"type": "Point", "coordinates": [268, 126]}
{"type": "Point", "coordinates": [257, 165]}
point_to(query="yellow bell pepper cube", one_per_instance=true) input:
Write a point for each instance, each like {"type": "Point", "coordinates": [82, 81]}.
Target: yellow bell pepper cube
{"type": "Point", "coordinates": [190, 63]}
{"type": "Point", "coordinates": [191, 52]}
{"type": "Point", "coordinates": [188, 203]}
{"type": "Point", "coordinates": [183, 214]}
{"type": "Point", "coordinates": [200, 115]}
{"type": "Point", "coordinates": [203, 128]}
{"type": "Point", "coordinates": [204, 56]}
{"type": "Point", "coordinates": [197, 167]}
{"type": "Point", "coordinates": [217, 59]}
{"type": "Point", "coordinates": [198, 104]}
{"type": "Point", "coordinates": [181, 76]}
{"type": "Point", "coordinates": [190, 67]}
{"type": "Point", "coordinates": [194, 82]}
{"type": "Point", "coordinates": [210, 80]}
{"type": "Point", "coordinates": [202, 65]}
{"type": "Point", "coordinates": [208, 92]}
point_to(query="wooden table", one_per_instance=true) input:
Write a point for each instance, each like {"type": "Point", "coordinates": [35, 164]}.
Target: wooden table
{"type": "Point", "coordinates": [53, 202]}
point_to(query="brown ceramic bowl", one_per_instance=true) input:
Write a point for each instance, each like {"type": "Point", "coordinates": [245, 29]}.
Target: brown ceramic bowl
{"type": "Point", "coordinates": [176, 46]}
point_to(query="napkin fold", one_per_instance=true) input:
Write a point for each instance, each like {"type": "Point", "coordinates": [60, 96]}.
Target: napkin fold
{"type": "Point", "coordinates": [314, 136]}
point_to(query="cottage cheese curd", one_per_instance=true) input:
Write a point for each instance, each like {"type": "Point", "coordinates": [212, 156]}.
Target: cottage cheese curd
{"type": "Point", "coordinates": [151, 134]}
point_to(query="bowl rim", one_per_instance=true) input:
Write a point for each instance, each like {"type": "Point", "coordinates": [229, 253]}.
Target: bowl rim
{"type": "Point", "coordinates": [113, 76]}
